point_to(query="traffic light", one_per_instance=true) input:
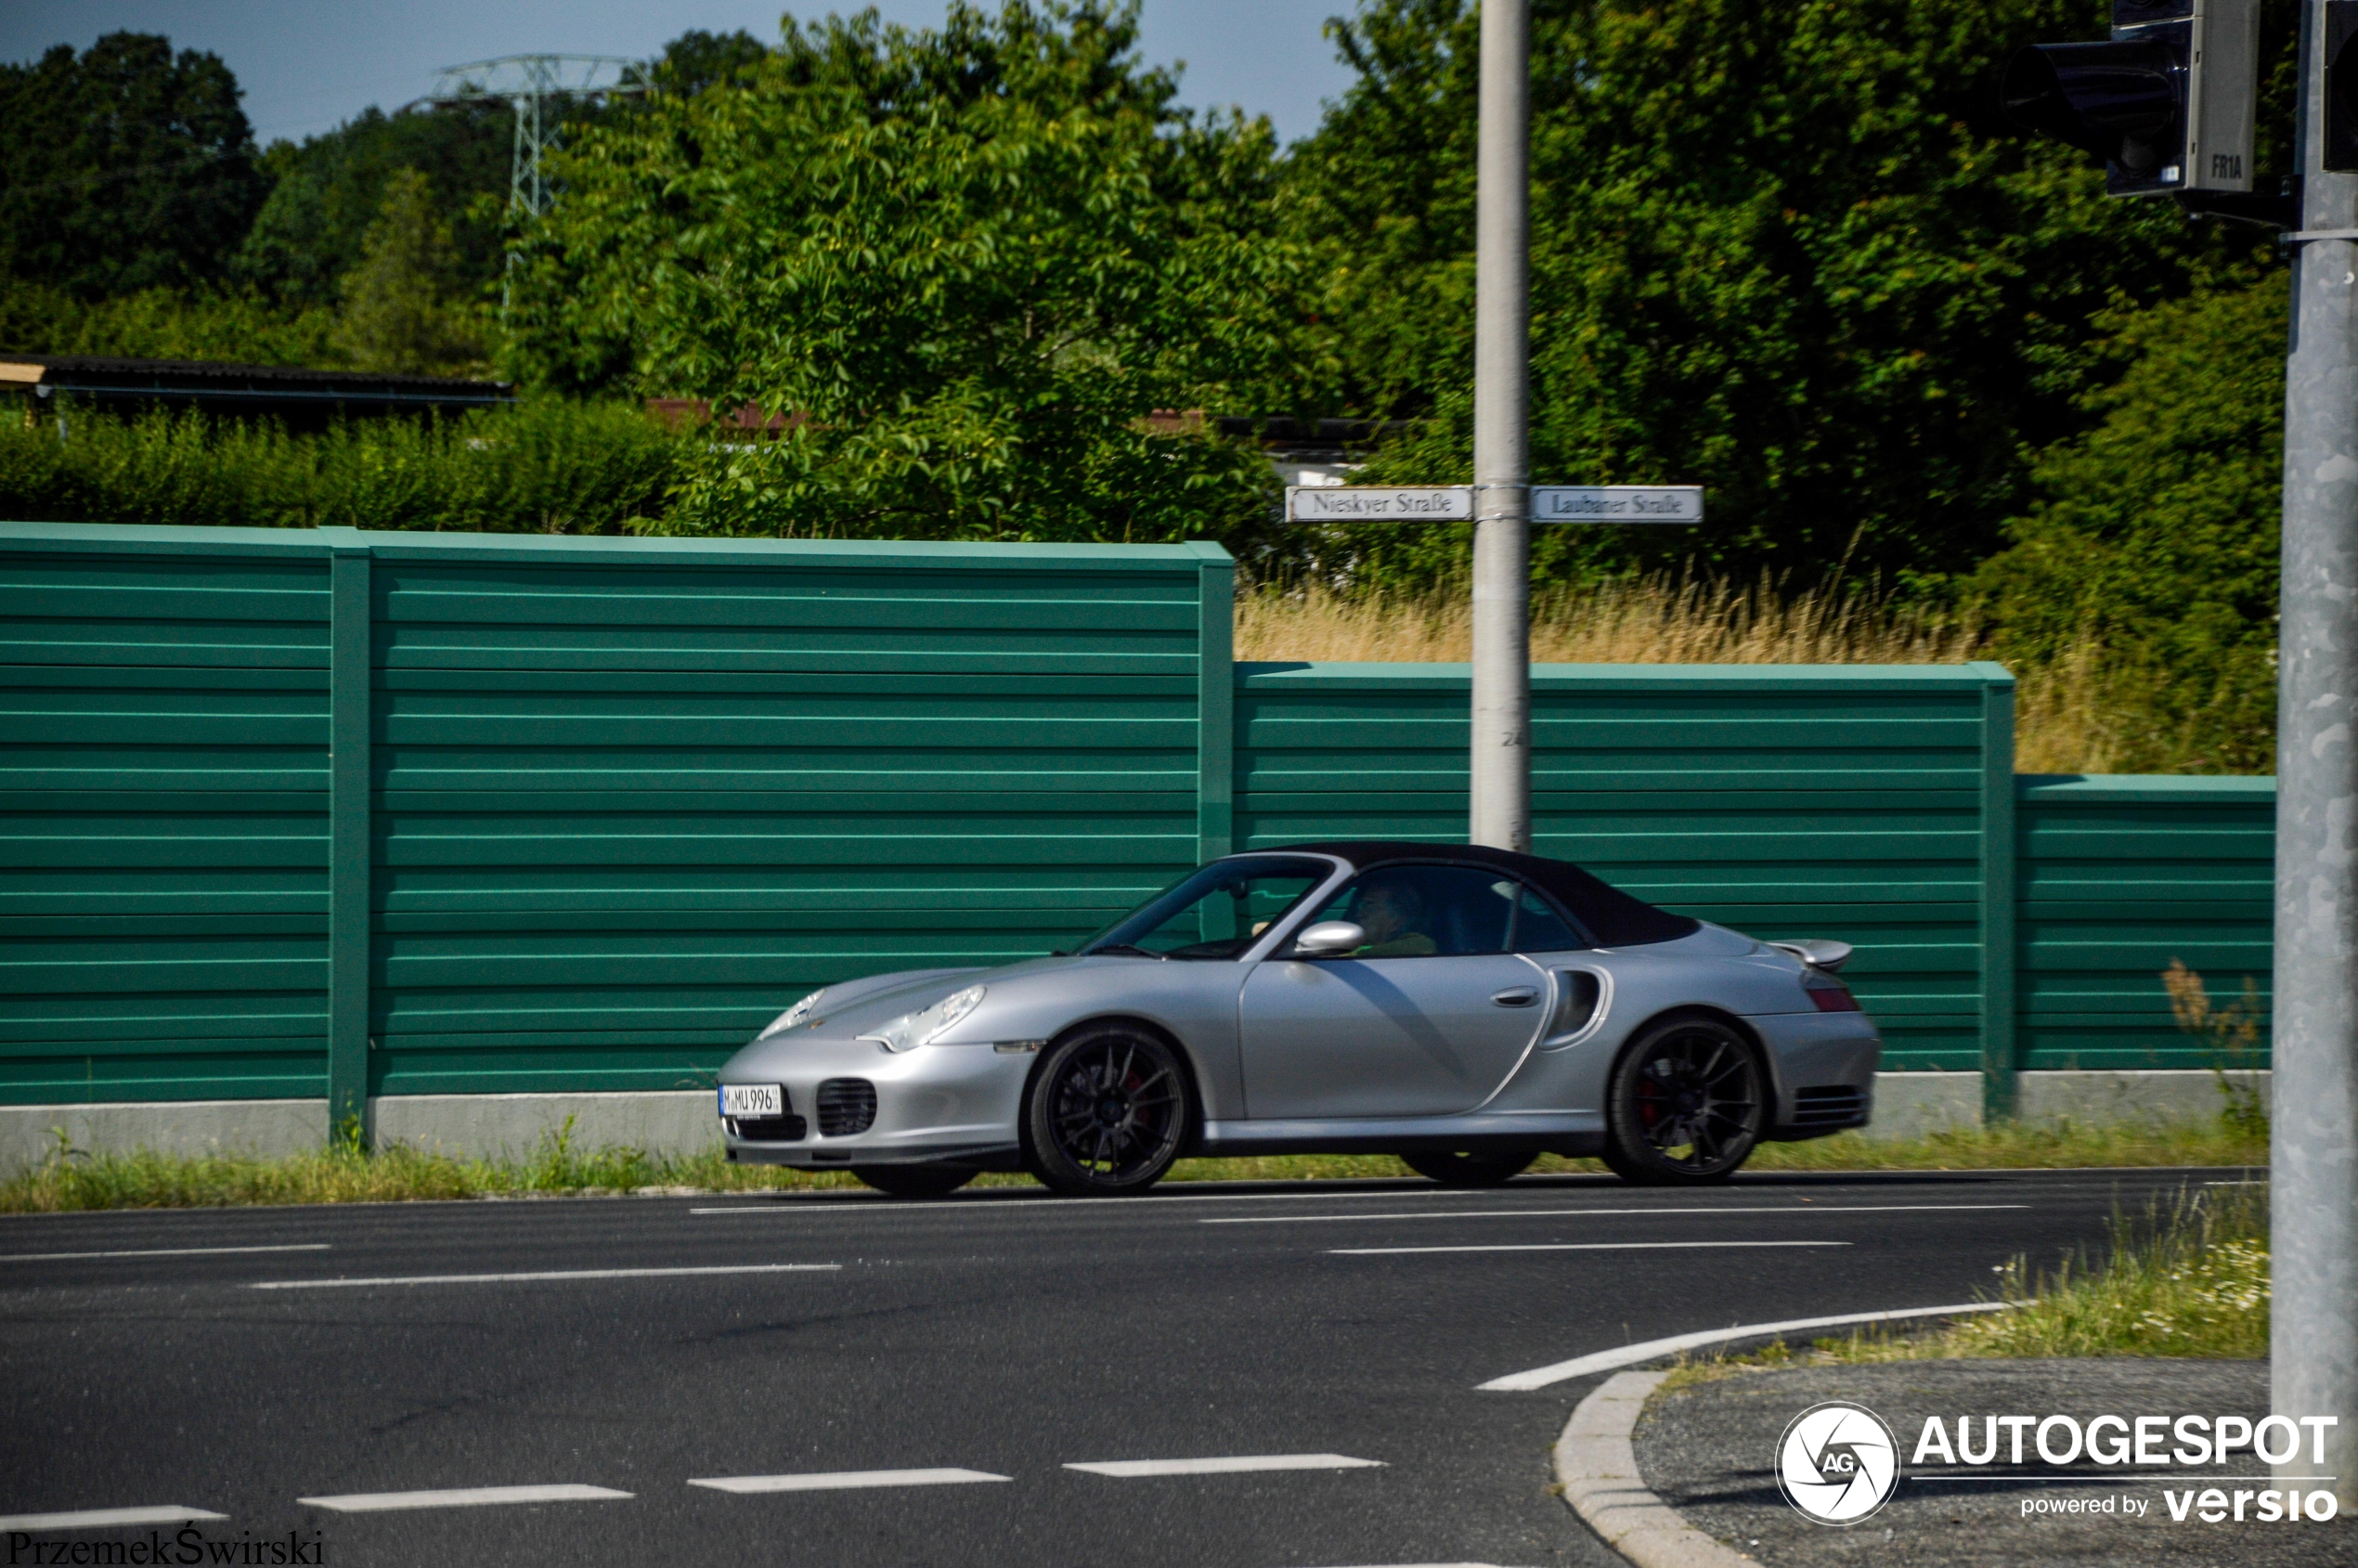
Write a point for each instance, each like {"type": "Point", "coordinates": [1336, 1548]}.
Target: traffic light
{"type": "Point", "coordinates": [2166, 102]}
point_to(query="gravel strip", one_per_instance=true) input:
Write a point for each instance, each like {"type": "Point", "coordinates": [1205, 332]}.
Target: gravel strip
{"type": "Point", "coordinates": [1709, 1451]}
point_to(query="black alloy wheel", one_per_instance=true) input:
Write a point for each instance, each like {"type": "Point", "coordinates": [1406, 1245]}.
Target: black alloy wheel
{"type": "Point", "coordinates": [916, 1181]}
{"type": "Point", "coordinates": [1468, 1170]}
{"type": "Point", "coordinates": [1106, 1113]}
{"type": "Point", "coordinates": [1686, 1103]}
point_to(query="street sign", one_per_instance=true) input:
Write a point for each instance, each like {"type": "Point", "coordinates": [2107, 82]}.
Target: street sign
{"type": "Point", "coordinates": [1616, 503]}
{"type": "Point", "coordinates": [1379, 503]}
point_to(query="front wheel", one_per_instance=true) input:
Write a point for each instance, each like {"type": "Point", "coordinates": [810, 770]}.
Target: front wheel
{"type": "Point", "coordinates": [1106, 1113]}
{"type": "Point", "coordinates": [914, 1180]}
{"type": "Point", "coordinates": [1686, 1104]}
{"type": "Point", "coordinates": [1468, 1170]}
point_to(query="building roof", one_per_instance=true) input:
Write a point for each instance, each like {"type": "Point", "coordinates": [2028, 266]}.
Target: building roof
{"type": "Point", "coordinates": [242, 389]}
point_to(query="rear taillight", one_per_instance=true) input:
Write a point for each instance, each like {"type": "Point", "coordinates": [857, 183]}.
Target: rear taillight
{"type": "Point", "coordinates": [1831, 998]}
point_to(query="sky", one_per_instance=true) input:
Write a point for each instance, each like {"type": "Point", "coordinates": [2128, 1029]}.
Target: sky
{"type": "Point", "coordinates": [307, 65]}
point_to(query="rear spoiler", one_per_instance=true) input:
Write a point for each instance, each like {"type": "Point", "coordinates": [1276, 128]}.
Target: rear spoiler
{"type": "Point", "coordinates": [1818, 952]}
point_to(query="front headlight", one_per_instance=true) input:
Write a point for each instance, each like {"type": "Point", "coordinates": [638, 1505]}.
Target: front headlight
{"type": "Point", "coordinates": [793, 1014]}
{"type": "Point", "coordinates": [927, 1024]}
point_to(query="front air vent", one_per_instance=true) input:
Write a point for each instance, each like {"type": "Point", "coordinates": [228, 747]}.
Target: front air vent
{"type": "Point", "coordinates": [846, 1106]}
{"type": "Point", "coordinates": [1840, 1106]}
{"type": "Point", "coordinates": [769, 1129]}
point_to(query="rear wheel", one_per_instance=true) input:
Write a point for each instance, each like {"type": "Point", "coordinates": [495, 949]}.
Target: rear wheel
{"type": "Point", "coordinates": [1686, 1103]}
{"type": "Point", "coordinates": [1468, 1170]}
{"type": "Point", "coordinates": [914, 1180]}
{"type": "Point", "coordinates": [1106, 1113]}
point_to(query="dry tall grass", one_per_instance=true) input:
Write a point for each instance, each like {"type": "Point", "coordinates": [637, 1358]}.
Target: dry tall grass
{"type": "Point", "coordinates": [1658, 620]}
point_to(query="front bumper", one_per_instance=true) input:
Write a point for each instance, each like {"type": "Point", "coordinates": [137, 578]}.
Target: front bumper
{"type": "Point", "coordinates": [850, 1102]}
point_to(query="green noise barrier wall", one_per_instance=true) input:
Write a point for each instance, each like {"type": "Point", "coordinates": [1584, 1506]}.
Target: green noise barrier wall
{"type": "Point", "coordinates": [2118, 877]}
{"type": "Point", "coordinates": [294, 813]}
{"type": "Point", "coordinates": [291, 813]}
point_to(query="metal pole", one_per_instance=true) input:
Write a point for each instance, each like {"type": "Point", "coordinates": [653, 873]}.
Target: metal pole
{"type": "Point", "coordinates": [1500, 814]}
{"type": "Point", "coordinates": [2313, 1152]}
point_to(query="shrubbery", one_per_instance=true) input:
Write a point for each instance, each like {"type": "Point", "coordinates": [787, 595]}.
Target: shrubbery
{"type": "Point", "coordinates": [550, 467]}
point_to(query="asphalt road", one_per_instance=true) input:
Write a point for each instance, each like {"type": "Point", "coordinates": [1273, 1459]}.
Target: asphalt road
{"type": "Point", "coordinates": [237, 1362]}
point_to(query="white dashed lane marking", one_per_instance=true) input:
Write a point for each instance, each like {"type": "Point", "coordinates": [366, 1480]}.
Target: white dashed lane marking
{"type": "Point", "coordinates": [1571, 1247]}
{"type": "Point", "coordinates": [101, 1518]}
{"type": "Point", "coordinates": [561, 1273]}
{"type": "Point", "coordinates": [162, 1253]}
{"type": "Point", "coordinates": [465, 1497]}
{"type": "Point", "coordinates": [1129, 1469]}
{"type": "Point", "coordinates": [845, 1480]}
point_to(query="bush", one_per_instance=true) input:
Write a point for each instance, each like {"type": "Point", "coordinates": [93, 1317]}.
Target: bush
{"type": "Point", "coordinates": [2152, 555]}
{"type": "Point", "coordinates": [542, 467]}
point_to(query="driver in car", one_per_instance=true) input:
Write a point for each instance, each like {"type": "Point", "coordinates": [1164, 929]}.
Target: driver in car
{"type": "Point", "coordinates": [1390, 912]}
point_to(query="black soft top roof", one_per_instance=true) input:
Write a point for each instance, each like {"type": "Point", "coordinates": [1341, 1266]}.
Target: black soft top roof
{"type": "Point", "coordinates": [1611, 916]}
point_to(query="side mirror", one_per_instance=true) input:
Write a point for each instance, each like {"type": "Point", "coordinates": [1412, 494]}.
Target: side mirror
{"type": "Point", "coordinates": [1329, 937]}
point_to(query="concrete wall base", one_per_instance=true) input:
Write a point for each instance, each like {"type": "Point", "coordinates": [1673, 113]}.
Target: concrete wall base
{"type": "Point", "coordinates": [2125, 1096]}
{"type": "Point", "coordinates": [1910, 1105]}
{"type": "Point", "coordinates": [662, 1121]}
{"type": "Point", "coordinates": [268, 1128]}
{"type": "Point", "coordinates": [484, 1126]}
{"type": "Point", "coordinates": [681, 1121]}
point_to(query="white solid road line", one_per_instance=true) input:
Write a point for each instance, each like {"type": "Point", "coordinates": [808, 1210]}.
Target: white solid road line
{"type": "Point", "coordinates": [1143, 1203]}
{"type": "Point", "coordinates": [465, 1497]}
{"type": "Point", "coordinates": [845, 1480]}
{"type": "Point", "coordinates": [100, 1518]}
{"type": "Point", "coordinates": [162, 1253]}
{"type": "Point", "coordinates": [1553, 1213]}
{"type": "Point", "coordinates": [1650, 1349]}
{"type": "Point", "coordinates": [560, 1273]}
{"type": "Point", "coordinates": [1571, 1247]}
{"type": "Point", "coordinates": [1127, 1469]}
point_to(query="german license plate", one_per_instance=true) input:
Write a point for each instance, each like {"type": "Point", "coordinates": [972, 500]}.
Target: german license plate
{"type": "Point", "coordinates": [752, 1099]}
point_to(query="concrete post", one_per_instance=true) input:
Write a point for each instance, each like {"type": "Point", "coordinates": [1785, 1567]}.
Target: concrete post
{"type": "Point", "coordinates": [2314, 1328]}
{"type": "Point", "coordinates": [1500, 784]}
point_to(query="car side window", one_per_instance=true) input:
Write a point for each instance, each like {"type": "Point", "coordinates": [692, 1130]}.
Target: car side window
{"type": "Point", "coordinates": [1426, 911]}
{"type": "Point", "coordinates": [1538, 928]}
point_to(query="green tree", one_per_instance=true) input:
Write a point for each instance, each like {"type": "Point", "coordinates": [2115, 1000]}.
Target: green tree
{"type": "Point", "coordinates": [125, 167]}
{"type": "Point", "coordinates": [330, 189]}
{"type": "Point", "coordinates": [968, 262]}
{"type": "Point", "coordinates": [402, 306]}
{"type": "Point", "coordinates": [697, 59]}
{"type": "Point", "coordinates": [2149, 560]}
{"type": "Point", "coordinates": [1788, 250]}
{"type": "Point", "coordinates": [166, 324]}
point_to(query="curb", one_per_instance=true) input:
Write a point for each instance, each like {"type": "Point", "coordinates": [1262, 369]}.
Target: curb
{"type": "Point", "coordinates": [1598, 1468]}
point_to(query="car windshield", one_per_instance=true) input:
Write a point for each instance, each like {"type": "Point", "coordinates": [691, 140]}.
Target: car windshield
{"type": "Point", "coordinates": [1215, 913]}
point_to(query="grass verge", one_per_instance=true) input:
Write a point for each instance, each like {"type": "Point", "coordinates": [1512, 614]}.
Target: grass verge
{"type": "Point", "coordinates": [71, 1179]}
{"type": "Point", "coordinates": [2187, 1278]}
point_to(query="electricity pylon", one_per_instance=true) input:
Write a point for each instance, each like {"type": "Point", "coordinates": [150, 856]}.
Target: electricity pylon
{"type": "Point", "coordinates": [536, 85]}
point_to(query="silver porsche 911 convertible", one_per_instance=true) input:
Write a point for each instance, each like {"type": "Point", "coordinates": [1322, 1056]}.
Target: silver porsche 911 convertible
{"type": "Point", "coordinates": [1465, 1009]}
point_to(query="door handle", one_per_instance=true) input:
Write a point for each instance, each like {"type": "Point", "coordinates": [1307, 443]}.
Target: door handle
{"type": "Point", "coordinates": [1516, 996]}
